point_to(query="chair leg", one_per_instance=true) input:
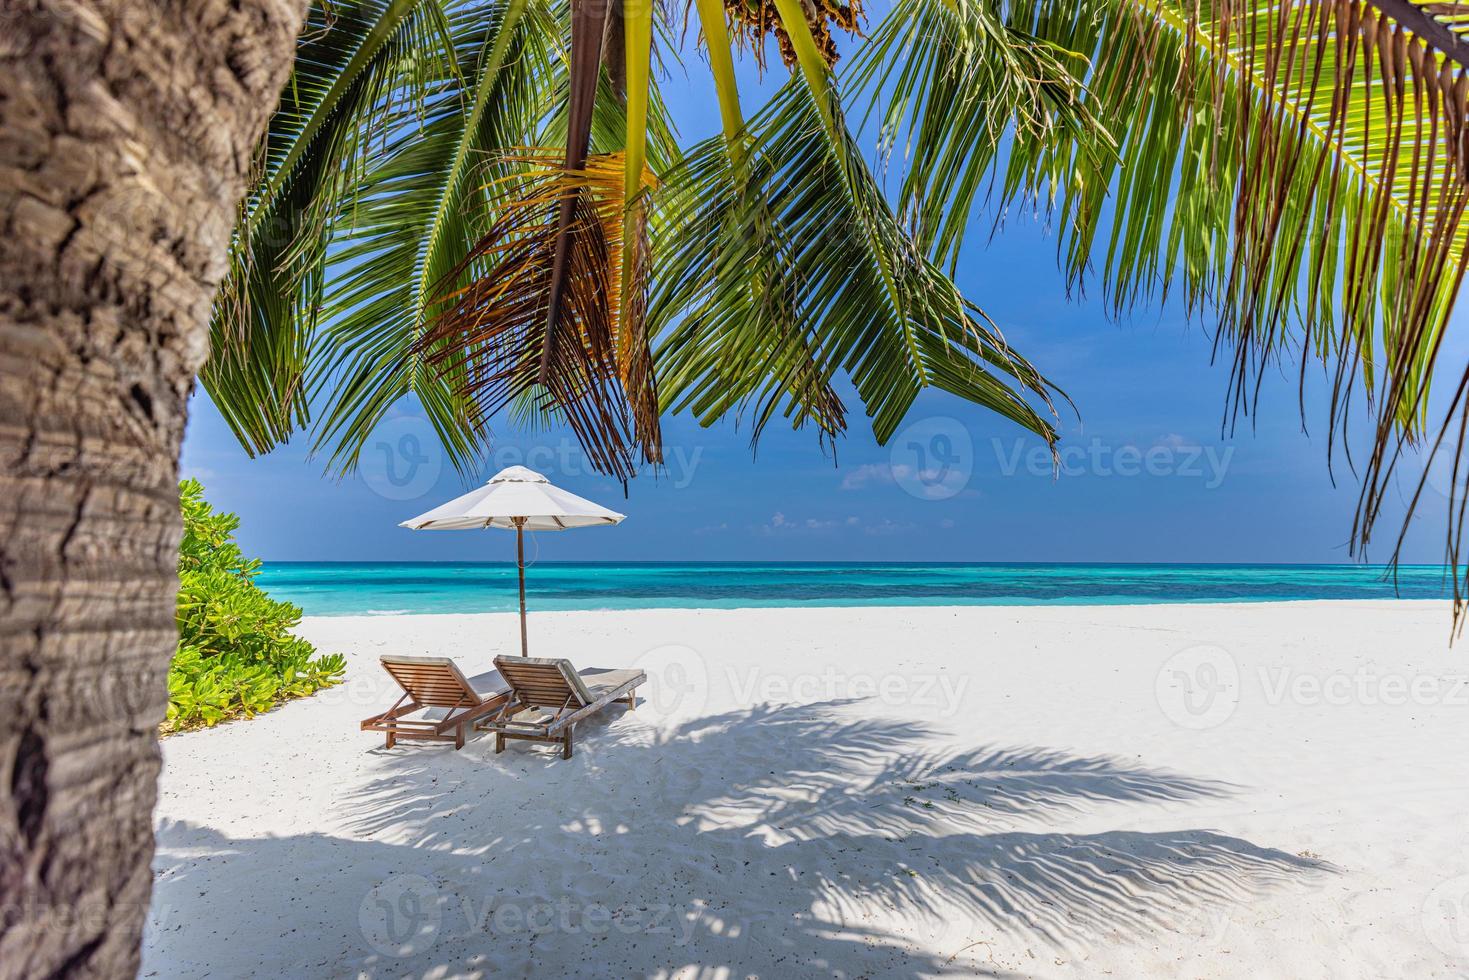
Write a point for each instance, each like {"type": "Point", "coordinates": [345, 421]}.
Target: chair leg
{"type": "Point", "coordinates": [499, 743]}
{"type": "Point", "coordinates": [458, 738]}
{"type": "Point", "coordinates": [391, 739]}
{"type": "Point", "coordinates": [632, 700]}
{"type": "Point", "coordinates": [566, 743]}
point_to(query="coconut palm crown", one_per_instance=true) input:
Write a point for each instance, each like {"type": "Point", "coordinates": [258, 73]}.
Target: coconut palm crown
{"type": "Point", "coordinates": [482, 204]}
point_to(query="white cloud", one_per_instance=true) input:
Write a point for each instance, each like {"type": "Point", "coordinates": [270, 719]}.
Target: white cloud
{"type": "Point", "coordinates": [887, 527]}
{"type": "Point", "coordinates": [779, 523]}
{"type": "Point", "coordinates": [1175, 441]}
{"type": "Point", "coordinates": [875, 473]}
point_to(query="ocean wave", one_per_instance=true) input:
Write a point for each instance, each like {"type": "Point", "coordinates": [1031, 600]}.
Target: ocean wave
{"type": "Point", "coordinates": [388, 612]}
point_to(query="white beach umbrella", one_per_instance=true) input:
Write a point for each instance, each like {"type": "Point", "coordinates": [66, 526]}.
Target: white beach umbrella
{"type": "Point", "coordinates": [520, 498]}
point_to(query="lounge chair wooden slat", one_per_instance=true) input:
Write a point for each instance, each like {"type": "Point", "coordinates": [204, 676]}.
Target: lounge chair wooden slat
{"type": "Point", "coordinates": [432, 682]}
{"type": "Point", "coordinates": [554, 686]}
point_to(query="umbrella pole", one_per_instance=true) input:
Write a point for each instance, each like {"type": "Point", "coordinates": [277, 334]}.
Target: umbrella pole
{"type": "Point", "coordinates": [520, 566]}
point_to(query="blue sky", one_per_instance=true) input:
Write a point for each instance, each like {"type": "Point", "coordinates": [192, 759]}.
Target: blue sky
{"type": "Point", "coordinates": [1146, 475]}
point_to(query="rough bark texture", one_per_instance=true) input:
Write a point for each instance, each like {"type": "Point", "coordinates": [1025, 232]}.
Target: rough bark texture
{"type": "Point", "coordinates": [126, 132]}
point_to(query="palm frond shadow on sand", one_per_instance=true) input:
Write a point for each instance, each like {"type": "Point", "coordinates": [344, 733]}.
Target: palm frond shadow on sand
{"type": "Point", "coordinates": [787, 839]}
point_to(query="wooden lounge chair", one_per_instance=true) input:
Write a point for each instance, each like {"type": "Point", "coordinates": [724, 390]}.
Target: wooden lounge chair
{"type": "Point", "coordinates": [538, 686]}
{"type": "Point", "coordinates": [448, 700]}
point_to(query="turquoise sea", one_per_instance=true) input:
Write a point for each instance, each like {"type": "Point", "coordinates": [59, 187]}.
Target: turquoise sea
{"type": "Point", "coordinates": [383, 588]}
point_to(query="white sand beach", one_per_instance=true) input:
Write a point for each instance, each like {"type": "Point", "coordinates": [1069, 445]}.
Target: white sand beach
{"type": "Point", "coordinates": [1174, 791]}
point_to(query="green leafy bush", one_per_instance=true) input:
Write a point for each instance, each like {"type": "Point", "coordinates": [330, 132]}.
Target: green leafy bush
{"type": "Point", "coordinates": [237, 655]}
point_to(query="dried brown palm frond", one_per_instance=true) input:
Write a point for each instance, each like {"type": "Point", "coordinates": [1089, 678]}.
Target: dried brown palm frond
{"type": "Point", "coordinates": [588, 361]}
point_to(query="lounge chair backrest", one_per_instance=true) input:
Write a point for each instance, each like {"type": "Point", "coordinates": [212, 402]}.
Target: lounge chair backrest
{"type": "Point", "coordinates": [431, 681]}
{"type": "Point", "coordinates": [543, 682]}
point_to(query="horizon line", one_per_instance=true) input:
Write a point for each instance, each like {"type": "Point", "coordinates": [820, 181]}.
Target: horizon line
{"type": "Point", "coordinates": [883, 562]}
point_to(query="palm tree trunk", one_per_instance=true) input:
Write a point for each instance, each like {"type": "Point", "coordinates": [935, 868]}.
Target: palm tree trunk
{"type": "Point", "coordinates": [126, 130]}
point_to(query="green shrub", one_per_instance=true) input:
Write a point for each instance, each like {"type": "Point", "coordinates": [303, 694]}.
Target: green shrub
{"type": "Point", "coordinates": [237, 655]}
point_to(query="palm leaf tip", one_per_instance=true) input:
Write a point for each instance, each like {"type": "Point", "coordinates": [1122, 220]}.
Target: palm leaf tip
{"type": "Point", "coordinates": [1300, 169]}
{"type": "Point", "coordinates": [495, 332]}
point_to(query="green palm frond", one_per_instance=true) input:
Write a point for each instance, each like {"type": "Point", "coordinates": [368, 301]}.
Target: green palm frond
{"type": "Point", "coordinates": [430, 194]}
{"type": "Point", "coordinates": [780, 277]}
{"type": "Point", "coordinates": [353, 59]}
{"type": "Point", "coordinates": [770, 286]}
{"type": "Point", "coordinates": [949, 82]}
{"type": "Point", "coordinates": [1298, 170]}
{"type": "Point", "coordinates": [1315, 187]}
